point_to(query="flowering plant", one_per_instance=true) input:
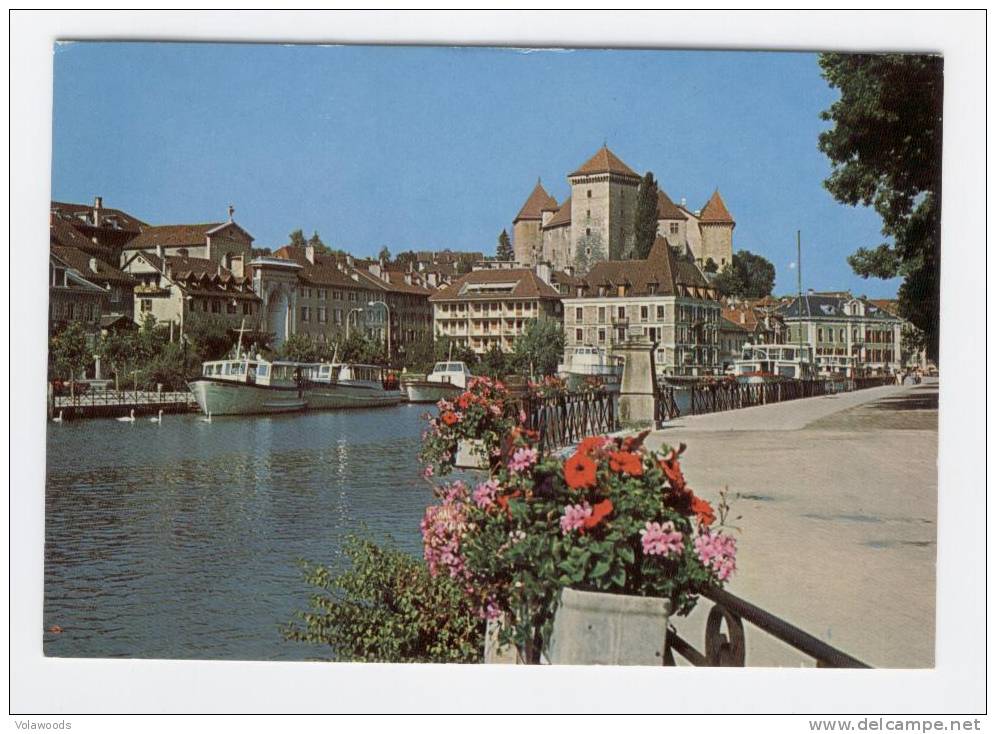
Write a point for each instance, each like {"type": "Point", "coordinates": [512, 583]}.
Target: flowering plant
{"type": "Point", "coordinates": [477, 414]}
{"type": "Point", "coordinates": [612, 517]}
{"type": "Point", "coordinates": [552, 386]}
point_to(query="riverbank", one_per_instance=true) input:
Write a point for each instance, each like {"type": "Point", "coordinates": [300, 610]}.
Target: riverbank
{"type": "Point", "coordinates": [838, 498]}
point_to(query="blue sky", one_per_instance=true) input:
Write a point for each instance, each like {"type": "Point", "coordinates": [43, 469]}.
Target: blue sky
{"type": "Point", "coordinates": [426, 148]}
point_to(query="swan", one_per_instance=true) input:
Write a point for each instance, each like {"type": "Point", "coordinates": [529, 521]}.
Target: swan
{"type": "Point", "coordinates": [127, 418]}
{"type": "Point", "coordinates": [207, 418]}
{"type": "Point", "coordinates": [159, 418]}
{"type": "Point", "coordinates": [58, 418]}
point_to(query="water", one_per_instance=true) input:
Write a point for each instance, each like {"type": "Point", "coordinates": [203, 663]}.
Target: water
{"type": "Point", "coordinates": [181, 540]}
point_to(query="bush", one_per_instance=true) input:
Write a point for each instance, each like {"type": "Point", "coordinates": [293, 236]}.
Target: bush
{"type": "Point", "coordinates": [387, 608]}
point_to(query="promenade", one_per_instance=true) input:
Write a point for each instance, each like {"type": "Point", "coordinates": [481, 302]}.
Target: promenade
{"type": "Point", "coordinates": [838, 498]}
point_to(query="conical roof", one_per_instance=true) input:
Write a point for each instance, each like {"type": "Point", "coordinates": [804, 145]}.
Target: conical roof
{"type": "Point", "coordinates": [715, 211]}
{"type": "Point", "coordinates": [605, 161]}
{"type": "Point", "coordinates": [563, 215]}
{"type": "Point", "coordinates": [538, 200]}
{"type": "Point", "coordinates": [666, 209]}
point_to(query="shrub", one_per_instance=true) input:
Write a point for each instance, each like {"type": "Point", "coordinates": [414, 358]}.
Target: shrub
{"type": "Point", "coordinates": [388, 608]}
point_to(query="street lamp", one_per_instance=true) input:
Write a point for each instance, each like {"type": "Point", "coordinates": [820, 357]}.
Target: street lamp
{"type": "Point", "coordinates": [387, 310]}
{"type": "Point", "coordinates": [351, 312]}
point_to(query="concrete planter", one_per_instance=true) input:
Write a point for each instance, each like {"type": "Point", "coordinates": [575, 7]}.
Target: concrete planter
{"type": "Point", "coordinates": [494, 653]}
{"type": "Point", "coordinates": [594, 628]}
{"type": "Point", "coordinates": [471, 454]}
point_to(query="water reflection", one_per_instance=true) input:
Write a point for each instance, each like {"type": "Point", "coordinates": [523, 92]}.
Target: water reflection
{"type": "Point", "coordinates": [180, 540]}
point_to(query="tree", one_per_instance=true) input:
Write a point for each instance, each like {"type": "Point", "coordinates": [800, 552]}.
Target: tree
{"type": "Point", "coordinates": [748, 276]}
{"type": "Point", "coordinates": [384, 254]}
{"type": "Point", "coordinates": [710, 266]}
{"type": "Point", "coordinates": [645, 217]}
{"type": "Point", "coordinates": [260, 252]}
{"type": "Point", "coordinates": [447, 349]}
{"type": "Point", "coordinates": [407, 258]}
{"type": "Point", "coordinates": [69, 353]}
{"type": "Point", "coordinates": [504, 249]}
{"type": "Point", "coordinates": [296, 238]}
{"type": "Point", "coordinates": [885, 148]}
{"type": "Point", "coordinates": [363, 349]}
{"type": "Point", "coordinates": [209, 337]}
{"type": "Point", "coordinates": [540, 348]}
{"type": "Point", "coordinates": [300, 348]}
{"type": "Point", "coordinates": [317, 243]}
{"type": "Point", "coordinates": [118, 351]}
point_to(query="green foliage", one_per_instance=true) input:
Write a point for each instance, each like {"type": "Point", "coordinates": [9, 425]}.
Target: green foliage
{"type": "Point", "coordinates": [504, 249]}
{"type": "Point", "coordinates": [68, 351]}
{"type": "Point", "coordinates": [406, 258]}
{"type": "Point", "coordinates": [449, 349]}
{"type": "Point", "coordinates": [387, 608]}
{"type": "Point", "coordinates": [363, 349]}
{"type": "Point", "coordinates": [494, 363]}
{"type": "Point", "coordinates": [419, 356]}
{"type": "Point", "coordinates": [710, 266]}
{"type": "Point", "coordinates": [540, 348]}
{"type": "Point", "coordinates": [316, 242]}
{"type": "Point", "coordinates": [301, 348]}
{"type": "Point", "coordinates": [164, 367]}
{"type": "Point", "coordinates": [748, 276]}
{"type": "Point", "coordinates": [885, 148]}
{"type": "Point", "coordinates": [384, 254]}
{"type": "Point", "coordinates": [118, 351]}
{"type": "Point", "coordinates": [645, 217]}
{"type": "Point", "coordinates": [209, 337]}
{"type": "Point", "coordinates": [912, 342]}
{"type": "Point", "coordinates": [296, 238]}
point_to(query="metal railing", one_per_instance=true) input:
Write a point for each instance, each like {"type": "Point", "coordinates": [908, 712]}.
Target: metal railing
{"type": "Point", "coordinates": [123, 397]}
{"type": "Point", "coordinates": [729, 650]}
{"type": "Point", "coordinates": [564, 420]}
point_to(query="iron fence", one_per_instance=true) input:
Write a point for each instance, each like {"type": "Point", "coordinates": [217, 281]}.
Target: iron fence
{"type": "Point", "coordinates": [564, 420]}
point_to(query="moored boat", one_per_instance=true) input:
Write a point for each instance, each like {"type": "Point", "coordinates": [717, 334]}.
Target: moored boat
{"type": "Point", "coordinates": [245, 386]}
{"type": "Point", "coordinates": [446, 381]}
{"type": "Point", "coordinates": [586, 363]}
{"type": "Point", "coordinates": [334, 386]}
{"type": "Point", "coordinates": [761, 363]}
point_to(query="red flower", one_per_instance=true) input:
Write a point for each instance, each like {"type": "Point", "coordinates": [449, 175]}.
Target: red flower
{"type": "Point", "coordinates": [672, 470]}
{"type": "Point", "coordinates": [463, 401]}
{"type": "Point", "coordinates": [591, 444]}
{"type": "Point", "coordinates": [449, 418]}
{"type": "Point", "coordinates": [579, 471]}
{"type": "Point", "coordinates": [598, 513]}
{"type": "Point", "coordinates": [504, 499]}
{"type": "Point", "coordinates": [630, 443]}
{"type": "Point", "coordinates": [703, 511]}
{"type": "Point", "coordinates": [626, 462]}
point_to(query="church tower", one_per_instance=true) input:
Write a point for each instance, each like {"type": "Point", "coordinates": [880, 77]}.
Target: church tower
{"type": "Point", "coordinates": [716, 225]}
{"type": "Point", "coordinates": [603, 203]}
{"type": "Point", "coordinates": [527, 235]}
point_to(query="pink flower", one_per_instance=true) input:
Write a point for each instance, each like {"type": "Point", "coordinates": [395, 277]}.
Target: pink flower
{"type": "Point", "coordinates": [427, 472]}
{"type": "Point", "coordinates": [485, 493]}
{"type": "Point", "coordinates": [661, 539]}
{"type": "Point", "coordinates": [718, 553]}
{"type": "Point", "coordinates": [574, 517]}
{"type": "Point", "coordinates": [522, 459]}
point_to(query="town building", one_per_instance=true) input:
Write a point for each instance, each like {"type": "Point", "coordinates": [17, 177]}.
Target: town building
{"type": "Point", "coordinates": [849, 335]}
{"type": "Point", "coordinates": [595, 222]}
{"type": "Point", "coordinates": [732, 338]}
{"type": "Point", "coordinates": [762, 324]}
{"type": "Point", "coordinates": [106, 231]}
{"type": "Point", "coordinates": [491, 308]}
{"type": "Point", "coordinates": [73, 298]}
{"type": "Point", "coordinates": [665, 298]}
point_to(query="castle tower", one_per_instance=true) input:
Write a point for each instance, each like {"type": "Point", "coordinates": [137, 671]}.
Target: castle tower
{"type": "Point", "coordinates": [603, 202]}
{"type": "Point", "coordinates": [716, 225]}
{"type": "Point", "coordinates": [527, 236]}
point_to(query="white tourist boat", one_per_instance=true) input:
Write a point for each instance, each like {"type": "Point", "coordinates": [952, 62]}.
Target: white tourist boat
{"type": "Point", "coordinates": [760, 363]}
{"type": "Point", "coordinates": [586, 362]}
{"type": "Point", "coordinates": [337, 385]}
{"type": "Point", "coordinates": [244, 386]}
{"type": "Point", "coordinates": [445, 382]}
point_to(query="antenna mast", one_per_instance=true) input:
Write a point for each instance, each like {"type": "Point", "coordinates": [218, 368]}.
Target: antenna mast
{"type": "Point", "coordinates": [798, 268]}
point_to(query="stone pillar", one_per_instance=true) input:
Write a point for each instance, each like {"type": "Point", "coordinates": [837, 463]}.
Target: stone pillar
{"type": "Point", "coordinates": [96, 367]}
{"type": "Point", "coordinates": [636, 393]}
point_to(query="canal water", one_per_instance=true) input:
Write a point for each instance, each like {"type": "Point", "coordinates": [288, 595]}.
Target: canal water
{"type": "Point", "coordinates": [181, 540]}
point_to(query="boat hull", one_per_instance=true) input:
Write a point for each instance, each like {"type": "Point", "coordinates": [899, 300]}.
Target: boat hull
{"type": "Point", "coordinates": [431, 392]}
{"type": "Point", "coordinates": [340, 395]}
{"type": "Point", "coordinates": [236, 398]}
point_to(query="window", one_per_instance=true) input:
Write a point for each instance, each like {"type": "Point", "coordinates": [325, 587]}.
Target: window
{"type": "Point", "coordinates": [601, 336]}
{"type": "Point", "coordinates": [830, 335]}
{"type": "Point", "coordinates": [819, 335]}
{"type": "Point", "coordinates": [579, 335]}
{"type": "Point", "coordinates": [601, 314]}
{"type": "Point", "coordinates": [644, 313]}
{"type": "Point", "coordinates": [843, 335]}
{"type": "Point", "coordinates": [115, 295]}
{"type": "Point", "coordinates": [621, 312]}
{"type": "Point", "coordinates": [587, 231]}
{"type": "Point", "coordinates": [246, 308]}
{"type": "Point", "coordinates": [305, 315]}
{"type": "Point", "coordinates": [321, 314]}
{"type": "Point", "coordinates": [589, 193]}
{"type": "Point", "coordinates": [621, 334]}
{"type": "Point", "coordinates": [322, 294]}
{"type": "Point", "coordinates": [578, 314]}
{"type": "Point", "coordinates": [146, 305]}
{"type": "Point", "coordinates": [588, 213]}
{"type": "Point", "coordinates": [231, 307]}
{"type": "Point", "coordinates": [674, 228]}
{"type": "Point", "coordinates": [660, 313]}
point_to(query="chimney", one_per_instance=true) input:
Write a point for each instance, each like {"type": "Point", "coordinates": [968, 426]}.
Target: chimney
{"type": "Point", "coordinates": [569, 270]}
{"type": "Point", "coordinates": [159, 252]}
{"type": "Point", "coordinates": [408, 278]}
{"type": "Point", "coordinates": [743, 318]}
{"type": "Point", "coordinates": [238, 266]}
{"type": "Point", "coordinates": [684, 201]}
{"type": "Point", "coordinates": [543, 272]}
{"type": "Point", "coordinates": [93, 264]}
{"type": "Point", "coordinates": [349, 260]}
{"type": "Point", "coordinates": [309, 253]}
{"type": "Point", "coordinates": [98, 206]}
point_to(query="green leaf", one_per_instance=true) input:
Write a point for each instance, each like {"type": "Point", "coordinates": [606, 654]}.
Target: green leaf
{"type": "Point", "coordinates": [601, 569]}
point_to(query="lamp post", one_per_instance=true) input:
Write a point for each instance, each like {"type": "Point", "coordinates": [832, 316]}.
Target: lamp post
{"type": "Point", "coordinates": [350, 313]}
{"type": "Point", "coordinates": [387, 311]}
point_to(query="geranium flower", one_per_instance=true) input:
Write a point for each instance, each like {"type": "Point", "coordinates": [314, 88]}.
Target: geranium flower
{"type": "Point", "coordinates": [574, 517]}
{"type": "Point", "coordinates": [428, 472]}
{"type": "Point", "coordinates": [661, 539]}
{"type": "Point", "coordinates": [599, 512]}
{"type": "Point", "coordinates": [450, 418]}
{"type": "Point", "coordinates": [464, 400]}
{"type": "Point", "coordinates": [718, 553]}
{"type": "Point", "coordinates": [579, 471]}
{"type": "Point", "coordinates": [485, 493]}
{"type": "Point", "coordinates": [504, 499]}
{"type": "Point", "coordinates": [703, 511]}
{"type": "Point", "coordinates": [672, 470]}
{"type": "Point", "coordinates": [522, 459]}
{"type": "Point", "coordinates": [592, 444]}
{"type": "Point", "coordinates": [626, 462]}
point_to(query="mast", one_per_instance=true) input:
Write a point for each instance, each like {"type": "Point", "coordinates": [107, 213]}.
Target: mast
{"type": "Point", "coordinates": [242, 329]}
{"type": "Point", "coordinates": [798, 268]}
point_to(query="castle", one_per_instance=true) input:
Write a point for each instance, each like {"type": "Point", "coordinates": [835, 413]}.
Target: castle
{"type": "Point", "coordinates": [595, 222]}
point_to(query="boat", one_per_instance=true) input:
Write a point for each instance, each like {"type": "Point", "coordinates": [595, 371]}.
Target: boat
{"type": "Point", "coordinates": [586, 363]}
{"type": "Point", "coordinates": [445, 382]}
{"type": "Point", "coordinates": [246, 386]}
{"type": "Point", "coordinates": [761, 363]}
{"type": "Point", "coordinates": [333, 385]}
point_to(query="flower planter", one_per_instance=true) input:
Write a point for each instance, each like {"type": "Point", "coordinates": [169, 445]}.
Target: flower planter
{"type": "Point", "coordinates": [471, 454]}
{"type": "Point", "coordinates": [594, 628]}
{"type": "Point", "coordinates": [495, 653]}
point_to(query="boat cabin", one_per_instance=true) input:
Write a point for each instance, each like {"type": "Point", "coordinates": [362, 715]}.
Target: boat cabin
{"type": "Point", "coordinates": [780, 360]}
{"type": "Point", "coordinates": [253, 371]}
{"type": "Point", "coordinates": [455, 373]}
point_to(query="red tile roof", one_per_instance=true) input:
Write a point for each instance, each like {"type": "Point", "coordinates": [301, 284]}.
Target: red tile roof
{"type": "Point", "coordinates": [562, 217]}
{"type": "Point", "coordinates": [538, 201]}
{"type": "Point", "coordinates": [662, 272]}
{"type": "Point", "coordinates": [173, 235]}
{"type": "Point", "coordinates": [526, 284]}
{"type": "Point", "coordinates": [61, 232]}
{"type": "Point", "coordinates": [667, 209]}
{"type": "Point", "coordinates": [82, 261]}
{"type": "Point", "coordinates": [605, 161]}
{"type": "Point", "coordinates": [715, 211]}
{"type": "Point", "coordinates": [83, 214]}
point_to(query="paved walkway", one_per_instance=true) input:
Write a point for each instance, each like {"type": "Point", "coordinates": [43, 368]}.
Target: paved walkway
{"type": "Point", "coordinates": [837, 500]}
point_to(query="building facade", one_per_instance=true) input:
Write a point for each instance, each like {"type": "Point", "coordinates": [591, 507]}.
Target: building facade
{"type": "Point", "coordinates": [491, 308]}
{"type": "Point", "coordinates": [665, 298]}
{"type": "Point", "coordinates": [849, 335]}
